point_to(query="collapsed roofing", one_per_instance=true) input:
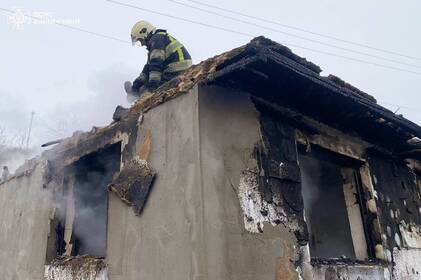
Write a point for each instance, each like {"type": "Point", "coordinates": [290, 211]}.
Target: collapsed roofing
{"type": "Point", "coordinates": [273, 73]}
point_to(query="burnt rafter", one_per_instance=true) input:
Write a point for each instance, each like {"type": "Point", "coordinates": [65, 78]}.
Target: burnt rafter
{"type": "Point", "coordinates": [272, 72]}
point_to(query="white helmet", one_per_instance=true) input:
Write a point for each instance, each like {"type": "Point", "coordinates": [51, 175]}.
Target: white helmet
{"type": "Point", "coordinates": [141, 31]}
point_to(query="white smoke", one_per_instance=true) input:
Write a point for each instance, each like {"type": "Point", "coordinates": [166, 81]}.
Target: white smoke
{"type": "Point", "coordinates": [106, 91]}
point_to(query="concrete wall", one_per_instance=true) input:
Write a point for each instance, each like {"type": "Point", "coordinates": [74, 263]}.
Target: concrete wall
{"type": "Point", "coordinates": [192, 226]}
{"type": "Point", "coordinates": [166, 242]}
{"type": "Point", "coordinates": [24, 227]}
{"type": "Point", "coordinates": [229, 131]}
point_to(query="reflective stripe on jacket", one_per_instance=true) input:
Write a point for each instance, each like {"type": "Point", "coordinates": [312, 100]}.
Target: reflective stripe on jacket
{"type": "Point", "coordinates": [166, 55]}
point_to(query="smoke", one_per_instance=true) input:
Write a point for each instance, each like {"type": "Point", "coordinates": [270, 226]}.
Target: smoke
{"type": "Point", "coordinates": [90, 226]}
{"type": "Point", "coordinates": [94, 172]}
{"type": "Point", "coordinates": [311, 173]}
{"type": "Point", "coordinates": [89, 195]}
{"type": "Point", "coordinates": [105, 92]}
{"type": "Point", "coordinates": [97, 100]}
{"type": "Point", "coordinates": [13, 157]}
{"type": "Point", "coordinates": [14, 119]}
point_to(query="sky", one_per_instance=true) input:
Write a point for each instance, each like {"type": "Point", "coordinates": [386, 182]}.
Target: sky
{"type": "Point", "coordinates": [73, 80]}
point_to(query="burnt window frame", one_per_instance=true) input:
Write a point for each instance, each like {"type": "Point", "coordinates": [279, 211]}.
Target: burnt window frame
{"type": "Point", "coordinates": [56, 243]}
{"type": "Point", "coordinates": [361, 197]}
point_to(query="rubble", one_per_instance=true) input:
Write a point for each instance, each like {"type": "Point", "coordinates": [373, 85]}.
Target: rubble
{"type": "Point", "coordinates": [76, 268]}
{"type": "Point", "coordinates": [120, 113]}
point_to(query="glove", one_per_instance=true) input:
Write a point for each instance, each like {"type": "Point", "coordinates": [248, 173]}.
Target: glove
{"type": "Point", "coordinates": [137, 84]}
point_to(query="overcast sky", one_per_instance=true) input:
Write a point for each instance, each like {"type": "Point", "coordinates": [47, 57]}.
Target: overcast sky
{"type": "Point", "coordinates": [73, 80]}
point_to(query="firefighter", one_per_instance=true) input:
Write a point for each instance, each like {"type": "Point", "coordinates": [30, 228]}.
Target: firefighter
{"type": "Point", "coordinates": [167, 57]}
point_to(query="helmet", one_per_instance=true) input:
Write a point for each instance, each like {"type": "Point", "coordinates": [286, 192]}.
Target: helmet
{"type": "Point", "coordinates": [141, 31]}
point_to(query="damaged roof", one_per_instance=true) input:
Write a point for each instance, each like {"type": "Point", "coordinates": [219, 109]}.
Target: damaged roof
{"type": "Point", "coordinates": [272, 72]}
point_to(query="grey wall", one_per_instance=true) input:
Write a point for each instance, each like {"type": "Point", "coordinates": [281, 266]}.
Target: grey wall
{"type": "Point", "coordinates": [229, 130]}
{"type": "Point", "coordinates": [24, 227]}
{"type": "Point", "coordinates": [166, 242]}
{"type": "Point", "coordinates": [192, 226]}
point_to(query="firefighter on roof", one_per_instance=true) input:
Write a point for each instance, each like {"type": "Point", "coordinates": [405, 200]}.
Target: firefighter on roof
{"type": "Point", "coordinates": [167, 57]}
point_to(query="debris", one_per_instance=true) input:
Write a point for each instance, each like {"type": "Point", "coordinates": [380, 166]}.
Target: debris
{"type": "Point", "coordinates": [52, 143]}
{"type": "Point", "coordinates": [120, 113]}
{"type": "Point", "coordinates": [76, 268]}
{"type": "Point", "coordinates": [133, 183]}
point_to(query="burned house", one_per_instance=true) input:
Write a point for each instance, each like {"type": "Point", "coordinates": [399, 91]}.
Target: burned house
{"type": "Point", "coordinates": [251, 165]}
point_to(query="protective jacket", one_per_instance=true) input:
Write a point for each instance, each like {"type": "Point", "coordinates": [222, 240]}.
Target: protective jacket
{"type": "Point", "coordinates": [167, 57]}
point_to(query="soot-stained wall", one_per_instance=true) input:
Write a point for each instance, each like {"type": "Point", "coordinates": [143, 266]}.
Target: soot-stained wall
{"type": "Point", "coordinates": [395, 191]}
{"type": "Point", "coordinates": [279, 179]}
{"type": "Point", "coordinates": [246, 234]}
{"type": "Point", "coordinates": [398, 197]}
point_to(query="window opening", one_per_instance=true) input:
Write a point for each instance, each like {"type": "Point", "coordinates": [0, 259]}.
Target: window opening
{"type": "Point", "coordinates": [80, 223]}
{"type": "Point", "coordinates": [332, 201]}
